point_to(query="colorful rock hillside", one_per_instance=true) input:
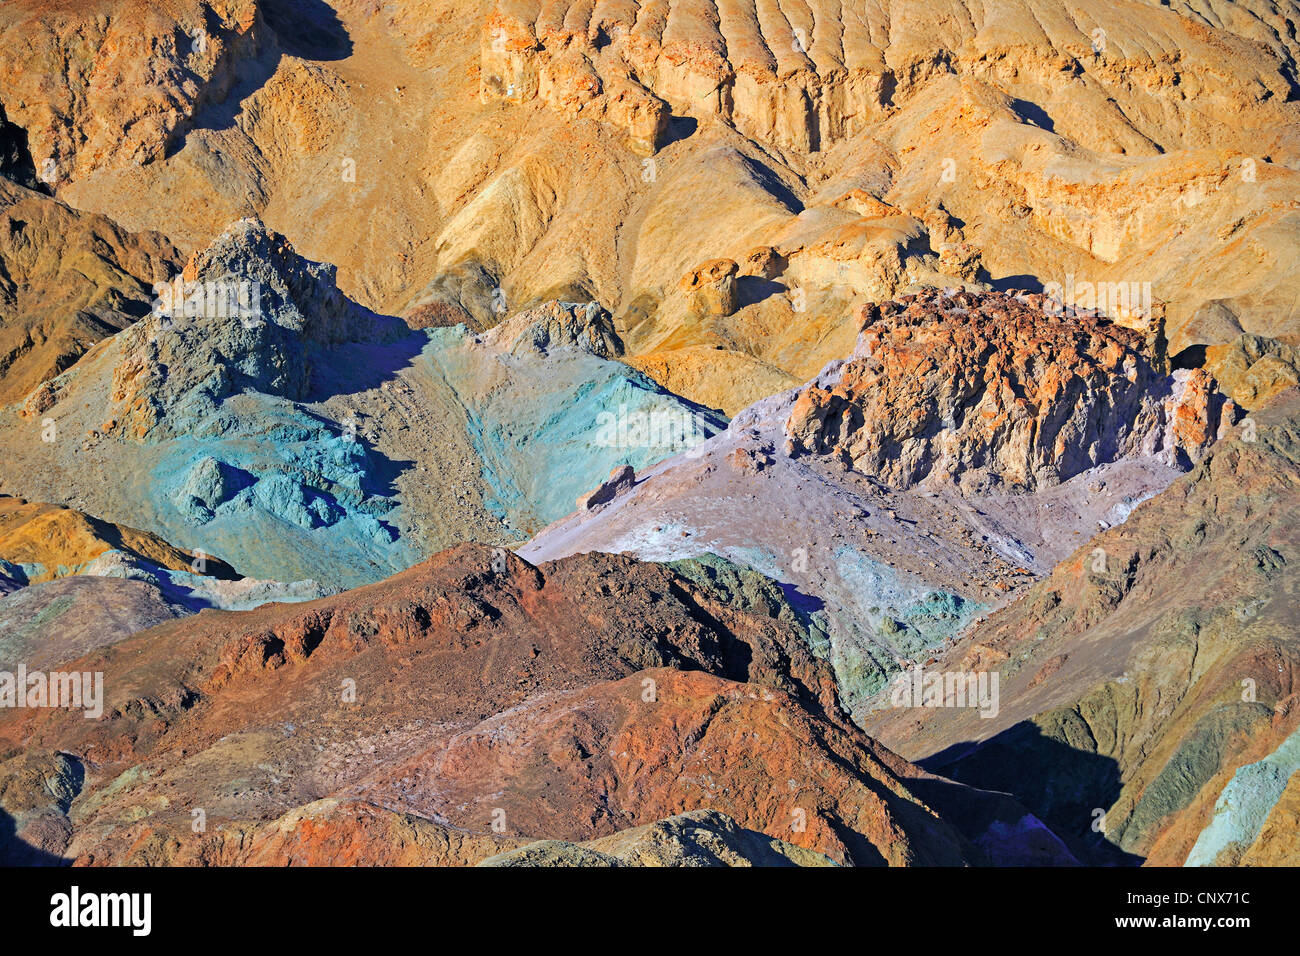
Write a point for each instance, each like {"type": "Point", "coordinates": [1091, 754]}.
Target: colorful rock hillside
{"type": "Point", "coordinates": [1003, 394]}
{"type": "Point", "coordinates": [637, 694]}
{"type": "Point", "coordinates": [260, 415]}
{"type": "Point", "coordinates": [1152, 666]}
{"type": "Point", "coordinates": [971, 442]}
{"type": "Point", "coordinates": [670, 433]}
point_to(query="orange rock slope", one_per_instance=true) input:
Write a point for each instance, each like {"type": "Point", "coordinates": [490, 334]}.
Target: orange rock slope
{"type": "Point", "coordinates": [490, 698]}
{"type": "Point", "coordinates": [52, 541]}
{"type": "Point", "coordinates": [474, 159]}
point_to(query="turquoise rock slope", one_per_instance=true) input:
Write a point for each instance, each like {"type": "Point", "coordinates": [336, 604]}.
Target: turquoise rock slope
{"type": "Point", "coordinates": [304, 437]}
{"type": "Point", "coordinates": [543, 421]}
{"type": "Point", "coordinates": [1244, 805]}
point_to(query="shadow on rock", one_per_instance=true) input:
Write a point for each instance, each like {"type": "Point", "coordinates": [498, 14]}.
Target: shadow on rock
{"type": "Point", "coordinates": [754, 289]}
{"type": "Point", "coordinates": [1066, 788]}
{"type": "Point", "coordinates": [15, 851]}
{"type": "Point", "coordinates": [307, 29]}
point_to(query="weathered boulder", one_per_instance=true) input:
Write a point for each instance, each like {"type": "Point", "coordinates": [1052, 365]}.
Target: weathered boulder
{"type": "Point", "coordinates": [620, 479]}
{"type": "Point", "coordinates": [1252, 369]}
{"type": "Point", "coordinates": [711, 287]}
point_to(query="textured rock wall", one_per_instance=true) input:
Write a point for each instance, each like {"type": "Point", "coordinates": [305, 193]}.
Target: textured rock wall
{"type": "Point", "coordinates": [801, 78]}
{"type": "Point", "coordinates": [991, 391]}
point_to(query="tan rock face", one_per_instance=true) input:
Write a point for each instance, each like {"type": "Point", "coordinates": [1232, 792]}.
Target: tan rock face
{"type": "Point", "coordinates": [1253, 369]}
{"type": "Point", "coordinates": [990, 391]}
{"type": "Point", "coordinates": [764, 262]}
{"type": "Point", "coordinates": [56, 541]}
{"type": "Point", "coordinates": [67, 280]}
{"type": "Point", "coordinates": [801, 81]}
{"type": "Point", "coordinates": [517, 66]}
{"type": "Point", "coordinates": [439, 152]}
{"type": "Point", "coordinates": [68, 63]}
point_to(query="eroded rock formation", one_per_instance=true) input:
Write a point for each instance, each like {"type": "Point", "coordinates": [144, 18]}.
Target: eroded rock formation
{"type": "Point", "coordinates": [1002, 392]}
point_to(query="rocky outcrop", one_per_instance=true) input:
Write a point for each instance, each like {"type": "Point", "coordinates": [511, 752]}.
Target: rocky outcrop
{"type": "Point", "coordinates": [801, 81]}
{"type": "Point", "coordinates": [37, 790]}
{"type": "Point", "coordinates": [558, 325]}
{"type": "Point", "coordinates": [971, 159]}
{"type": "Point", "coordinates": [1001, 392]}
{"type": "Point", "coordinates": [186, 55]}
{"type": "Point", "coordinates": [67, 280]}
{"type": "Point", "coordinates": [1253, 369]}
{"type": "Point", "coordinates": [763, 262]}
{"type": "Point", "coordinates": [566, 80]}
{"type": "Point", "coordinates": [202, 406]}
{"type": "Point", "coordinates": [244, 315]}
{"type": "Point", "coordinates": [711, 288]}
{"type": "Point", "coordinates": [872, 150]}
{"type": "Point", "coordinates": [41, 542]}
